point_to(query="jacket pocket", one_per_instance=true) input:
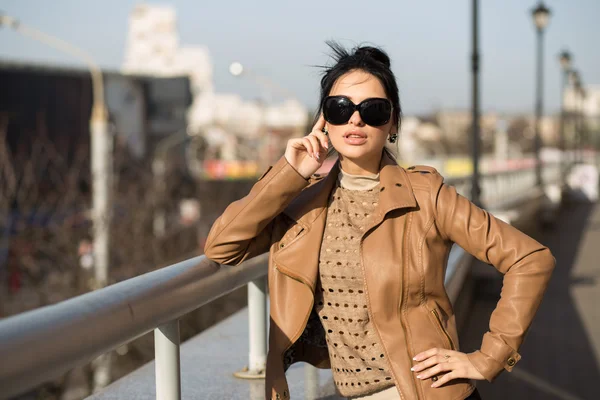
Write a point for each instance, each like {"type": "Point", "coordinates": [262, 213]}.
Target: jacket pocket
{"type": "Point", "coordinates": [436, 316]}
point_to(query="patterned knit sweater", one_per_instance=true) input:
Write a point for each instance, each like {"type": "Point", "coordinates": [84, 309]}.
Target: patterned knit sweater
{"type": "Point", "coordinates": [358, 363]}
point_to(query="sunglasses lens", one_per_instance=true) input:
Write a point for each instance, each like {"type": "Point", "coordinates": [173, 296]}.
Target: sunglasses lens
{"type": "Point", "coordinates": [337, 110]}
{"type": "Point", "coordinates": [376, 112]}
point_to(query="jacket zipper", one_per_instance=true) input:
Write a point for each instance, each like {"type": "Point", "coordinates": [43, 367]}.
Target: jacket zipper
{"type": "Point", "coordinates": [371, 313]}
{"type": "Point", "coordinates": [439, 321]}
{"type": "Point", "coordinates": [404, 258]}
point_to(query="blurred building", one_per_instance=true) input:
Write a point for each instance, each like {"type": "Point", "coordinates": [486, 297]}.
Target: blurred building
{"type": "Point", "coordinates": [456, 127]}
{"type": "Point", "coordinates": [229, 128]}
{"type": "Point", "coordinates": [39, 100]}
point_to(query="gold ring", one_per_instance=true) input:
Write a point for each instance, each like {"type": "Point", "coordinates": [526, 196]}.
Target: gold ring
{"type": "Point", "coordinates": [446, 356]}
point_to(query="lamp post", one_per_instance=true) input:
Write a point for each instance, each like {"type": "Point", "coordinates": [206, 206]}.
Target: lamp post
{"type": "Point", "coordinates": [565, 63]}
{"type": "Point", "coordinates": [101, 166]}
{"type": "Point", "coordinates": [575, 80]}
{"type": "Point", "coordinates": [475, 139]}
{"type": "Point", "coordinates": [581, 120]}
{"type": "Point", "coordinates": [541, 17]}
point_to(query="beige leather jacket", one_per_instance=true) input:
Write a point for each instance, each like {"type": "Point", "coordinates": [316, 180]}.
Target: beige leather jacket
{"type": "Point", "coordinates": [404, 255]}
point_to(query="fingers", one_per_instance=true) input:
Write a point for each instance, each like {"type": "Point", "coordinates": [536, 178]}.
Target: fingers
{"type": "Point", "coordinates": [320, 124]}
{"type": "Point", "coordinates": [445, 378]}
{"type": "Point", "coordinates": [316, 146]}
{"type": "Point", "coordinates": [322, 138]}
{"type": "Point", "coordinates": [431, 352]}
{"type": "Point", "coordinates": [308, 145]}
{"type": "Point", "coordinates": [434, 364]}
{"type": "Point", "coordinates": [431, 361]}
{"type": "Point", "coordinates": [437, 369]}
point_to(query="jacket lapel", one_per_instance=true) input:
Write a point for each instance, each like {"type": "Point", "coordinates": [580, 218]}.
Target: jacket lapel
{"type": "Point", "coordinates": [299, 259]}
{"type": "Point", "coordinates": [395, 190]}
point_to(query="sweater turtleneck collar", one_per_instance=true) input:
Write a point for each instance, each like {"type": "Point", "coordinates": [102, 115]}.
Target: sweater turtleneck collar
{"type": "Point", "coordinates": [357, 182]}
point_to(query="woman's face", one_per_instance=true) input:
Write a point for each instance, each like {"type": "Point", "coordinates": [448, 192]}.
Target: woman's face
{"type": "Point", "coordinates": [355, 139]}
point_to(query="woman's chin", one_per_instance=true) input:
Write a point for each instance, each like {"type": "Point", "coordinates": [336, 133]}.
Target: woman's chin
{"type": "Point", "coordinates": [356, 152]}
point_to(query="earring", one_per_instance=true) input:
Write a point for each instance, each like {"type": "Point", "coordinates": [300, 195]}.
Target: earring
{"type": "Point", "coordinates": [325, 131]}
{"type": "Point", "coordinates": [393, 137]}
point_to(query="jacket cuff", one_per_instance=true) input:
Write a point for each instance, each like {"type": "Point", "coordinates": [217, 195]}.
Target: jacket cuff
{"type": "Point", "coordinates": [494, 357]}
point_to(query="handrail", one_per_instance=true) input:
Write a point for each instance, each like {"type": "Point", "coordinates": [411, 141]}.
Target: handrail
{"type": "Point", "coordinates": [42, 344]}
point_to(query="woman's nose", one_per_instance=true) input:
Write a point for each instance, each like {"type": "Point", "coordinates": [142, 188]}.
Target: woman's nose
{"type": "Point", "coordinates": [355, 119]}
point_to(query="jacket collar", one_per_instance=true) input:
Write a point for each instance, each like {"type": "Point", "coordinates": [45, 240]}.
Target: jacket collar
{"type": "Point", "coordinates": [395, 192]}
{"type": "Point", "coordinates": [308, 209]}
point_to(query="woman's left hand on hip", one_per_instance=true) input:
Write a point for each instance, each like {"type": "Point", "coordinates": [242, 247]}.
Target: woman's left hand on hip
{"type": "Point", "coordinates": [449, 364]}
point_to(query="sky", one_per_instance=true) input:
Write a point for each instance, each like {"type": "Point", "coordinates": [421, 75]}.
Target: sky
{"type": "Point", "coordinates": [429, 43]}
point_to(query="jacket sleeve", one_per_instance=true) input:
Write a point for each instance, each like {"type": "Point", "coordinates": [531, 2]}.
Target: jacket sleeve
{"type": "Point", "coordinates": [244, 229]}
{"type": "Point", "coordinates": [526, 265]}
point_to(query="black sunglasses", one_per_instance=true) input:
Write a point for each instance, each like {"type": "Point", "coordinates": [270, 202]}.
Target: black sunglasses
{"type": "Point", "coordinates": [376, 111]}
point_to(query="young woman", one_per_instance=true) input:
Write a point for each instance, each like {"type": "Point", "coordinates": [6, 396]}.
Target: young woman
{"type": "Point", "coordinates": [358, 257]}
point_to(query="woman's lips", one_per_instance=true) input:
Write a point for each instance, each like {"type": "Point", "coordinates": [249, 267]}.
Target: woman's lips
{"type": "Point", "coordinates": [355, 138]}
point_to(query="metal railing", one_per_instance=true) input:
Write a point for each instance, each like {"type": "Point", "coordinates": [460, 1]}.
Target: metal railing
{"type": "Point", "coordinates": [42, 344]}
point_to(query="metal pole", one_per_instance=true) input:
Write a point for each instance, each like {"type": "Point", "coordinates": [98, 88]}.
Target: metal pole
{"type": "Point", "coordinates": [580, 123]}
{"type": "Point", "coordinates": [311, 382]}
{"type": "Point", "coordinates": [539, 106]}
{"type": "Point", "coordinates": [257, 315]}
{"type": "Point", "coordinates": [101, 148]}
{"type": "Point", "coordinates": [167, 366]}
{"type": "Point", "coordinates": [159, 223]}
{"type": "Point", "coordinates": [475, 140]}
{"type": "Point", "coordinates": [257, 331]}
{"type": "Point", "coordinates": [563, 141]}
{"type": "Point", "coordinates": [101, 160]}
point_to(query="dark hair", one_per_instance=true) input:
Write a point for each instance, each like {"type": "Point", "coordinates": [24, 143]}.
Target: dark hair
{"type": "Point", "coordinates": [369, 59]}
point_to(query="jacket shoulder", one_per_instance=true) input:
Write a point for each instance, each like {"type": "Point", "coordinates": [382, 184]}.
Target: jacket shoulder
{"type": "Point", "coordinates": [423, 175]}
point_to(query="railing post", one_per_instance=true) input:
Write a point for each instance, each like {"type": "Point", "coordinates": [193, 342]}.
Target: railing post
{"type": "Point", "coordinates": [166, 350]}
{"type": "Point", "coordinates": [311, 382]}
{"type": "Point", "coordinates": [257, 329]}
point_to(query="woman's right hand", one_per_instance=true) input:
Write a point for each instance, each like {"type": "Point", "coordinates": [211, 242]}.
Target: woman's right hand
{"type": "Point", "coordinates": [307, 154]}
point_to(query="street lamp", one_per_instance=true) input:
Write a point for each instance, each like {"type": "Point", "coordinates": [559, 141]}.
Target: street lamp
{"type": "Point", "coordinates": [101, 164]}
{"type": "Point", "coordinates": [575, 81]}
{"type": "Point", "coordinates": [582, 125]}
{"type": "Point", "coordinates": [236, 68]}
{"type": "Point", "coordinates": [541, 17]}
{"type": "Point", "coordinates": [475, 138]}
{"type": "Point", "coordinates": [565, 63]}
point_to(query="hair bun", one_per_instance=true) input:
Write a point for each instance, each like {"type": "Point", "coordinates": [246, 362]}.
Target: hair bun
{"type": "Point", "coordinates": [373, 53]}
